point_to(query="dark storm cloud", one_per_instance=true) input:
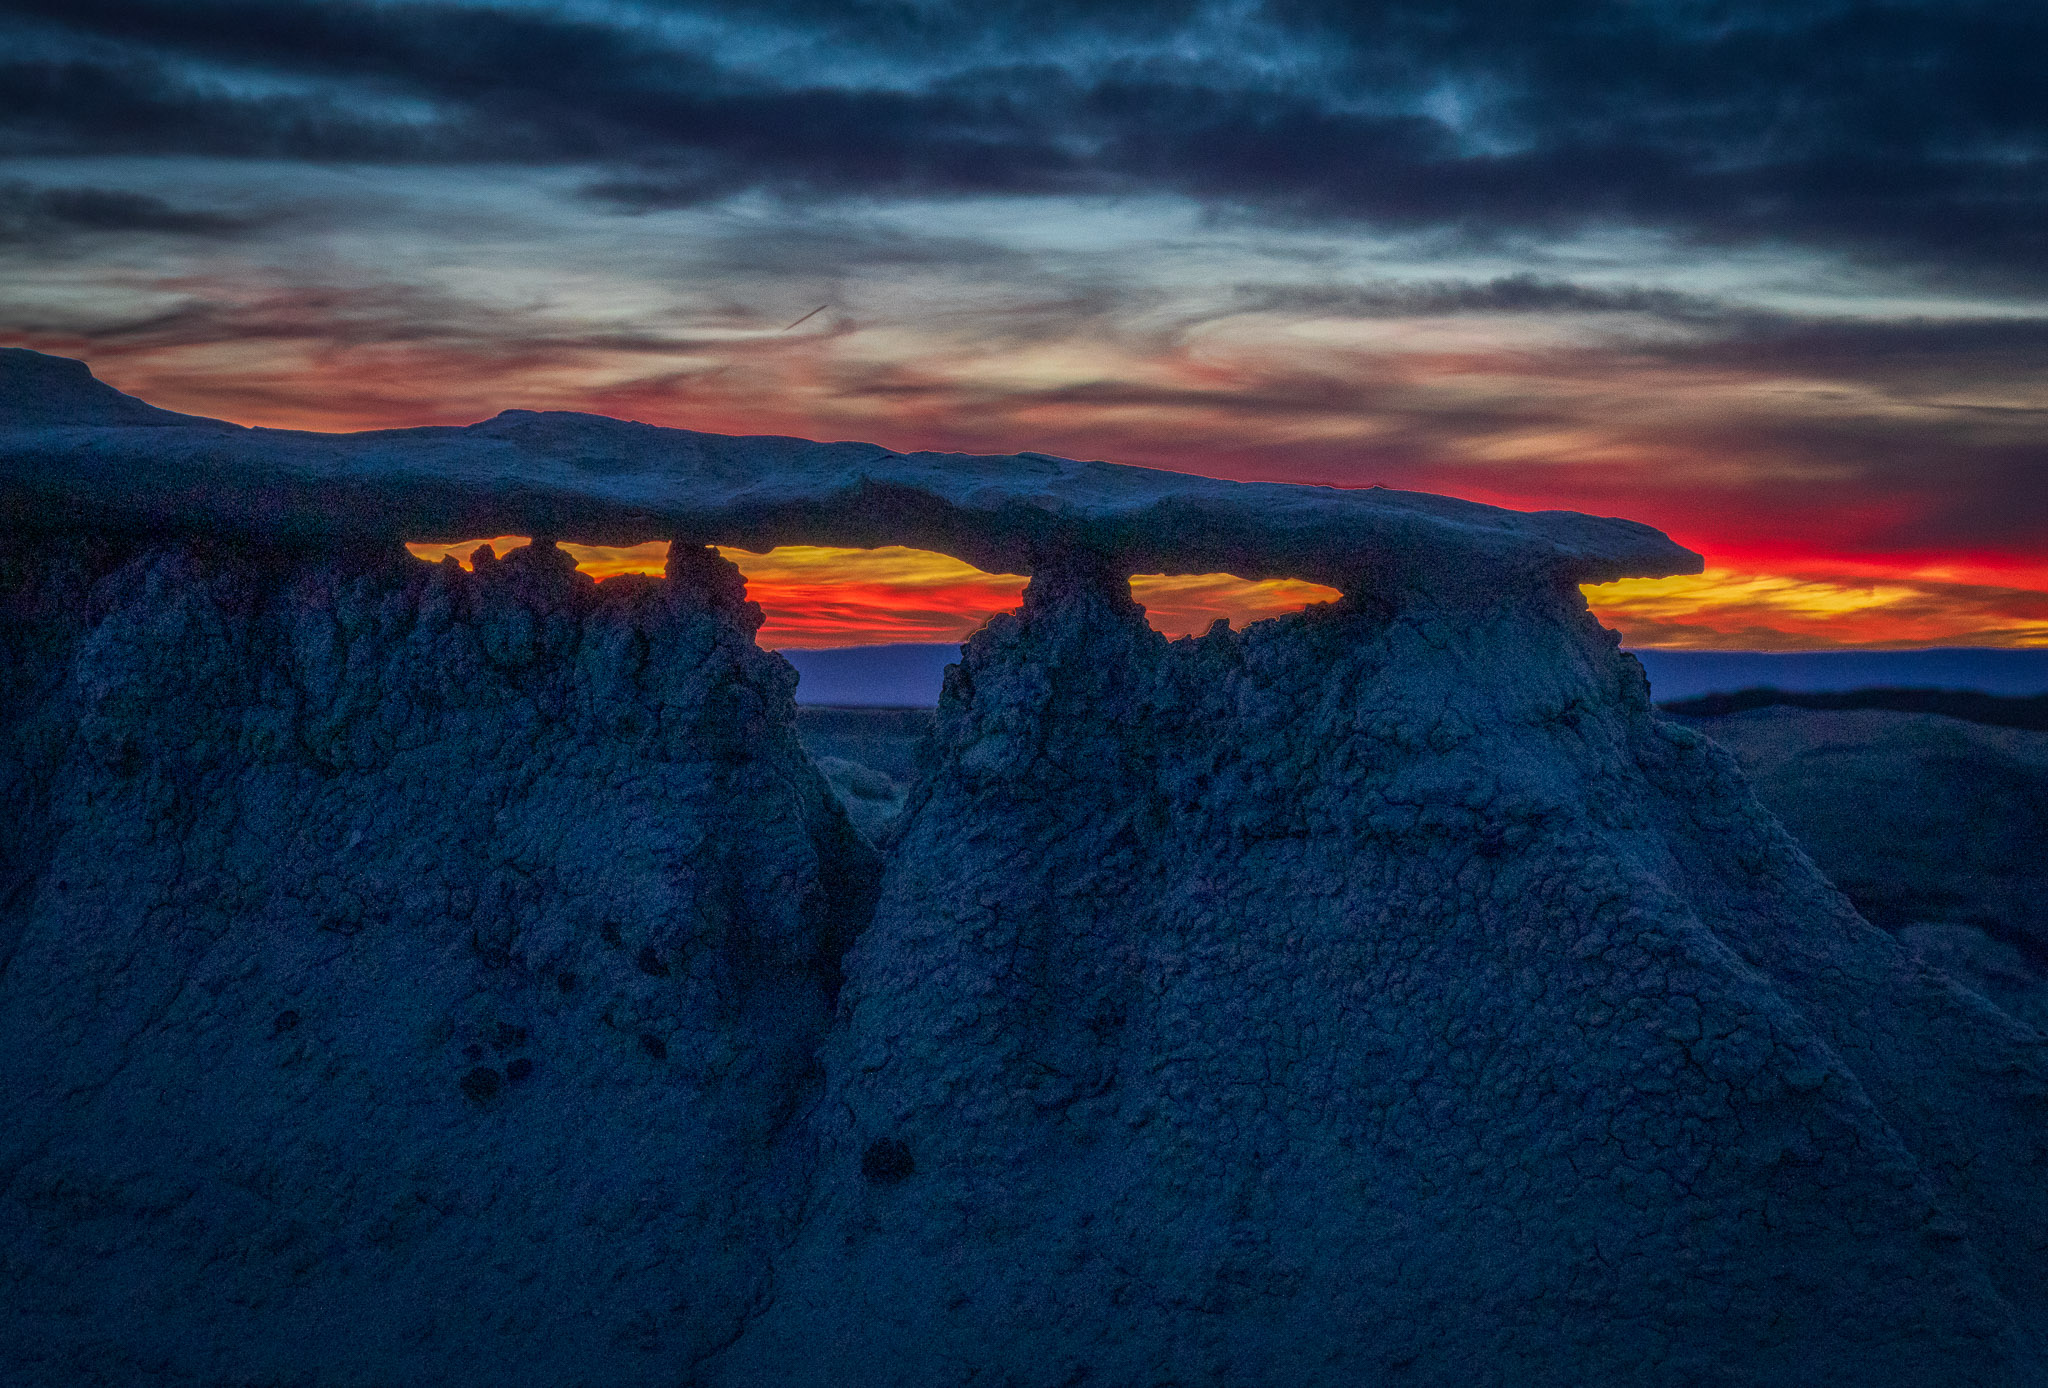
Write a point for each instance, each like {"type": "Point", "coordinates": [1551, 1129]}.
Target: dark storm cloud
{"type": "Point", "coordinates": [1975, 349]}
{"type": "Point", "coordinates": [1909, 131]}
{"type": "Point", "coordinates": [1524, 293]}
{"type": "Point", "coordinates": [341, 317]}
{"type": "Point", "coordinates": [41, 216]}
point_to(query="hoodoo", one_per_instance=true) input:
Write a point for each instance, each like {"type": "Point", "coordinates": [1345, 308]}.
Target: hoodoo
{"type": "Point", "coordinates": [417, 975]}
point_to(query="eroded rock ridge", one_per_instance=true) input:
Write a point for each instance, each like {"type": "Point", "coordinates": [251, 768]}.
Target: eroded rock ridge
{"type": "Point", "coordinates": [413, 975]}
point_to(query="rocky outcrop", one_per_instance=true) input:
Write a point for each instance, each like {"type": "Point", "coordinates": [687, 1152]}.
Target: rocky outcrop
{"type": "Point", "coordinates": [1932, 826]}
{"type": "Point", "coordinates": [412, 976]}
{"type": "Point", "coordinates": [433, 977]}
{"type": "Point", "coordinates": [1388, 996]}
{"type": "Point", "coordinates": [77, 454]}
{"type": "Point", "coordinates": [1935, 828]}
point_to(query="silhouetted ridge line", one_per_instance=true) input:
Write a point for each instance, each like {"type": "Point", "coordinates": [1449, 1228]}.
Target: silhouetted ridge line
{"type": "Point", "coordinates": [1972, 706]}
{"type": "Point", "coordinates": [77, 455]}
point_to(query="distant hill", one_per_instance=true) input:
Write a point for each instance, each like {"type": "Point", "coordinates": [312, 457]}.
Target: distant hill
{"type": "Point", "coordinates": [909, 675]}
{"type": "Point", "coordinates": [2015, 673]}
{"type": "Point", "coordinates": [1935, 827]}
{"type": "Point", "coordinates": [1970, 705]}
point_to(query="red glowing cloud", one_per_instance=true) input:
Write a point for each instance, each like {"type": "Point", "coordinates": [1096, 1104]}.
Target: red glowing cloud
{"type": "Point", "coordinates": [1851, 483]}
{"type": "Point", "coordinates": [814, 596]}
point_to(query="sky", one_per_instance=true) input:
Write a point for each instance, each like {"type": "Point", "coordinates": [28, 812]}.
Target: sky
{"type": "Point", "coordinates": [1772, 277]}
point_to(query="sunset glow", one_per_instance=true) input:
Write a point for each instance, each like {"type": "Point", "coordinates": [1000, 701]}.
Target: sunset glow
{"type": "Point", "coordinates": [1323, 245]}
{"type": "Point", "coordinates": [1724, 609]}
{"type": "Point", "coordinates": [815, 596]}
{"type": "Point", "coordinates": [1829, 541]}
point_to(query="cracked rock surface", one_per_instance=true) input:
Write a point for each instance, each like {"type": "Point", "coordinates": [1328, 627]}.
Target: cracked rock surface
{"type": "Point", "coordinates": [410, 974]}
{"type": "Point", "coordinates": [1936, 828]}
{"type": "Point", "coordinates": [417, 976]}
{"type": "Point", "coordinates": [1387, 996]}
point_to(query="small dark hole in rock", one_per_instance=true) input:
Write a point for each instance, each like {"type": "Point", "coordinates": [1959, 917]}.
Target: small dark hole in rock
{"type": "Point", "coordinates": [610, 931]}
{"type": "Point", "coordinates": [495, 958]}
{"type": "Point", "coordinates": [285, 1021]}
{"type": "Point", "coordinates": [510, 1037]}
{"type": "Point", "coordinates": [473, 1051]}
{"type": "Point", "coordinates": [653, 1045]}
{"type": "Point", "coordinates": [519, 1069]}
{"type": "Point", "coordinates": [1107, 1019]}
{"type": "Point", "coordinates": [482, 1083]}
{"type": "Point", "coordinates": [566, 981]}
{"type": "Point", "coordinates": [887, 1160]}
{"type": "Point", "coordinates": [650, 962]}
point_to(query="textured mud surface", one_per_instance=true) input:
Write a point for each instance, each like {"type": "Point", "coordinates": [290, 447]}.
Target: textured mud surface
{"type": "Point", "coordinates": [1935, 828]}
{"type": "Point", "coordinates": [1377, 997]}
{"type": "Point", "coordinates": [410, 975]}
{"type": "Point", "coordinates": [417, 976]}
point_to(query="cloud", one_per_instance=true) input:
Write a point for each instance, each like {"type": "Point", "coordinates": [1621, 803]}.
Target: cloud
{"type": "Point", "coordinates": [1916, 133]}
{"type": "Point", "coordinates": [1724, 609]}
{"type": "Point", "coordinates": [1522, 293]}
{"type": "Point", "coordinates": [816, 596]}
{"type": "Point", "coordinates": [46, 216]}
{"type": "Point", "coordinates": [144, 105]}
{"type": "Point", "coordinates": [1734, 426]}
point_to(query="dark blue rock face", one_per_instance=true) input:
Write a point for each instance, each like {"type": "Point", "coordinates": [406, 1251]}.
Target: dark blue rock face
{"type": "Point", "coordinates": [1388, 996]}
{"type": "Point", "coordinates": [410, 975]}
{"type": "Point", "coordinates": [333, 1052]}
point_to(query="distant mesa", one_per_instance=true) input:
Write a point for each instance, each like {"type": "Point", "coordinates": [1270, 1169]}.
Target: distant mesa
{"type": "Point", "coordinates": [39, 391]}
{"type": "Point", "coordinates": [1970, 705]}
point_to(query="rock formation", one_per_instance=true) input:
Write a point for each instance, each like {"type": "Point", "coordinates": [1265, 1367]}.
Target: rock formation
{"type": "Point", "coordinates": [1389, 995]}
{"type": "Point", "coordinates": [1934, 827]}
{"type": "Point", "coordinates": [1384, 993]}
{"type": "Point", "coordinates": [410, 975]}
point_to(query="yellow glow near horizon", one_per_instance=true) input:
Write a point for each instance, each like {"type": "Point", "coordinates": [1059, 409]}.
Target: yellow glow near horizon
{"type": "Point", "coordinates": [1187, 604]}
{"type": "Point", "coordinates": [460, 550]}
{"type": "Point", "coordinates": [816, 595]}
{"type": "Point", "coordinates": [609, 561]}
{"type": "Point", "coordinates": [1729, 609]}
{"type": "Point", "coordinates": [1722, 589]}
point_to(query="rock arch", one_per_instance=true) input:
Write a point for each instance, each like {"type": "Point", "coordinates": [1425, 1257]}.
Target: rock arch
{"type": "Point", "coordinates": [1382, 993]}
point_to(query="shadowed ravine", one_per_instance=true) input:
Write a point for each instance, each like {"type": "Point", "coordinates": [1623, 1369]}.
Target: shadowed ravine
{"type": "Point", "coordinates": [422, 976]}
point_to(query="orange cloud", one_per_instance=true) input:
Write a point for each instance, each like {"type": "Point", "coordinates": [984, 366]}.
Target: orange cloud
{"type": "Point", "coordinates": [818, 596]}
{"type": "Point", "coordinates": [460, 550]}
{"type": "Point", "coordinates": [1187, 604]}
{"type": "Point", "coordinates": [1730, 609]}
{"type": "Point", "coordinates": [1859, 482]}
